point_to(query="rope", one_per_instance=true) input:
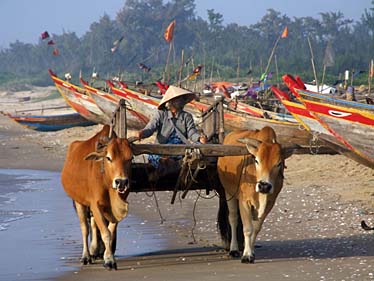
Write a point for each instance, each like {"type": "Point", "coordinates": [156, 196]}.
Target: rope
{"type": "Point", "coordinates": [153, 194]}
{"type": "Point", "coordinates": [245, 160]}
{"type": "Point", "coordinates": [314, 142]}
{"type": "Point", "coordinates": [194, 220]}
{"type": "Point", "coordinates": [158, 208]}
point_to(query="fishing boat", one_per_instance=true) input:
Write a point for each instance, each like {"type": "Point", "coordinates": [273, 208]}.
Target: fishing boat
{"type": "Point", "coordinates": [80, 100]}
{"type": "Point", "coordinates": [351, 123]}
{"type": "Point", "coordinates": [286, 131]}
{"type": "Point", "coordinates": [48, 122]}
{"type": "Point", "coordinates": [108, 103]}
{"type": "Point", "coordinates": [321, 135]}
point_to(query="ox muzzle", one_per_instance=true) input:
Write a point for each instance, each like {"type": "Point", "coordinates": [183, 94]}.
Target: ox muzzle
{"type": "Point", "coordinates": [121, 184]}
{"type": "Point", "coordinates": [264, 187]}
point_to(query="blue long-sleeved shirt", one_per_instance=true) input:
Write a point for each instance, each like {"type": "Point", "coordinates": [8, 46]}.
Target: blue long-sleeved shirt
{"type": "Point", "coordinates": [161, 122]}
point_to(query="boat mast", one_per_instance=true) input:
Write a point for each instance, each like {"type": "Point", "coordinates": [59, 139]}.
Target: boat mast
{"type": "Point", "coordinates": [312, 60]}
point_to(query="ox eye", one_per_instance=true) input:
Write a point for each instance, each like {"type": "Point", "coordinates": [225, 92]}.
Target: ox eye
{"type": "Point", "coordinates": [256, 161]}
{"type": "Point", "coordinates": [109, 159]}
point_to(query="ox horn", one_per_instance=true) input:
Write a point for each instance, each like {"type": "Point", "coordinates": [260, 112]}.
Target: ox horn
{"type": "Point", "coordinates": [252, 142]}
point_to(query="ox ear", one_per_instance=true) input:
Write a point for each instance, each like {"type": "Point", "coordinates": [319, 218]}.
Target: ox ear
{"type": "Point", "coordinates": [251, 144]}
{"type": "Point", "coordinates": [96, 156]}
{"type": "Point", "coordinates": [288, 149]}
{"type": "Point", "coordinates": [101, 144]}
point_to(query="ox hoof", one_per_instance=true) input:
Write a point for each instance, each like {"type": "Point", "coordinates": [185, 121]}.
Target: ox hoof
{"type": "Point", "coordinates": [86, 260]}
{"type": "Point", "coordinates": [234, 254]}
{"type": "Point", "coordinates": [250, 259]}
{"type": "Point", "coordinates": [110, 265]}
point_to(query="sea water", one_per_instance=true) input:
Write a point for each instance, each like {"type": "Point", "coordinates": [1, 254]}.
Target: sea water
{"type": "Point", "coordinates": [40, 236]}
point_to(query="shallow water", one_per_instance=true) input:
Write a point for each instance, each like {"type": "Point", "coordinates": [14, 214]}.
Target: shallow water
{"type": "Point", "coordinates": [39, 231]}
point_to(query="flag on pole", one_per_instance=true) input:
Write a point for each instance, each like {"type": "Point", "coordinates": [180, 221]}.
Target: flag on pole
{"type": "Point", "coordinates": [328, 59]}
{"type": "Point", "coordinates": [116, 44]}
{"type": "Point", "coordinates": [196, 72]}
{"type": "Point", "coordinates": [168, 34]}
{"type": "Point", "coordinates": [285, 32]}
{"type": "Point", "coordinates": [55, 52]}
{"type": "Point", "coordinates": [44, 35]}
{"type": "Point", "coordinates": [143, 67]}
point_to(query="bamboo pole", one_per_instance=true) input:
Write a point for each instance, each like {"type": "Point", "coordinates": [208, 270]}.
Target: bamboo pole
{"type": "Point", "coordinates": [276, 70]}
{"type": "Point", "coordinates": [371, 67]}
{"type": "Point", "coordinates": [323, 77]}
{"type": "Point", "coordinates": [238, 69]}
{"type": "Point", "coordinates": [211, 71]}
{"type": "Point", "coordinates": [352, 74]}
{"type": "Point", "coordinates": [272, 54]}
{"type": "Point", "coordinates": [181, 69]}
{"type": "Point", "coordinates": [167, 63]}
{"type": "Point", "coordinates": [312, 60]}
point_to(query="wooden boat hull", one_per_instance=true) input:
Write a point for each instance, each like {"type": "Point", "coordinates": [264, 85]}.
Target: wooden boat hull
{"type": "Point", "coordinates": [51, 122]}
{"type": "Point", "coordinates": [80, 101]}
{"type": "Point", "coordinates": [357, 137]}
{"type": "Point", "coordinates": [350, 111]}
{"type": "Point", "coordinates": [351, 123]}
{"type": "Point", "coordinates": [303, 115]}
{"type": "Point", "coordinates": [286, 131]}
{"type": "Point", "coordinates": [108, 104]}
{"type": "Point", "coordinates": [353, 127]}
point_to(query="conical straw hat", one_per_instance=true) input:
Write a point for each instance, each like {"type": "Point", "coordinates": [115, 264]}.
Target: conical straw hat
{"type": "Point", "coordinates": [174, 92]}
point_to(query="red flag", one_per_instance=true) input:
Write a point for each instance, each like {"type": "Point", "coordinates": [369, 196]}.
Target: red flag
{"type": "Point", "coordinates": [168, 35]}
{"type": "Point", "coordinates": [44, 35]}
{"type": "Point", "coordinates": [56, 52]}
{"type": "Point", "coordinates": [116, 44]}
{"type": "Point", "coordinates": [371, 69]}
{"type": "Point", "coordinates": [285, 32]}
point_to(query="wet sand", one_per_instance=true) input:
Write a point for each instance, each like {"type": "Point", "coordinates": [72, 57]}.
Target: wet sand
{"type": "Point", "coordinates": [313, 232]}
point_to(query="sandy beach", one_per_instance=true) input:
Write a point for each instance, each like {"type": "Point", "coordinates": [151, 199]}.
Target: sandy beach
{"type": "Point", "coordinates": [313, 232]}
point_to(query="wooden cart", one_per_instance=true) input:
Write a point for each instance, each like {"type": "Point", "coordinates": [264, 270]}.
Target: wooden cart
{"type": "Point", "coordinates": [198, 167]}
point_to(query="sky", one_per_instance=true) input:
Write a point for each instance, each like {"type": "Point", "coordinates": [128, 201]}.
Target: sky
{"type": "Point", "coordinates": [24, 20]}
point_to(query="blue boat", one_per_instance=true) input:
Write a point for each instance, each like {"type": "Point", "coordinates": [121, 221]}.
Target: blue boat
{"type": "Point", "coordinates": [46, 123]}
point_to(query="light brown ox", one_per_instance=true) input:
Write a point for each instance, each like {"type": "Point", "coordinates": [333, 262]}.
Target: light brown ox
{"type": "Point", "coordinates": [96, 175]}
{"type": "Point", "coordinates": [253, 182]}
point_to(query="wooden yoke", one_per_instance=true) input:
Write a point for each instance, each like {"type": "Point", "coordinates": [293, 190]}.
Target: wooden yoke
{"type": "Point", "coordinates": [198, 166]}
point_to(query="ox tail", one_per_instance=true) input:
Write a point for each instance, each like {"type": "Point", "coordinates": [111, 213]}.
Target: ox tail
{"type": "Point", "coordinates": [223, 222]}
{"type": "Point", "coordinates": [224, 225]}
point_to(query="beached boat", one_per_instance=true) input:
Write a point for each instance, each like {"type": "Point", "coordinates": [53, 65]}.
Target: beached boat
{"type": "Point", "coordinates": [286, 131]}
{"type": "Point", "coordinates": [351, 123]}
{"type": "Point", "coordinates": [321, 135]}
{"type": "Point", "coordinates": [80, 100]}
{"type": "Point", "coordinates": [108, 103]}
{"type": "Point", "coordinates": [48, 122]}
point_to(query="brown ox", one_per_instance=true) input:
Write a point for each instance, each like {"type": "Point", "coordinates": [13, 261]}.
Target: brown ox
{"type": "Point", "coordinates": [96, 176]}
{"type": "Point", "coordinates": [253, 182]}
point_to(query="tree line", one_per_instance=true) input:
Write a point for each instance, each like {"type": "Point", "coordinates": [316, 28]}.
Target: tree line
{"type": "Point", "coordinates": [226, 51]}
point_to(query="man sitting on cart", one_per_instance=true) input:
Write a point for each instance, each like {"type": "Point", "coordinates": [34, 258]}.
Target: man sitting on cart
{"type": "Point", "coordinates": [173, 126]}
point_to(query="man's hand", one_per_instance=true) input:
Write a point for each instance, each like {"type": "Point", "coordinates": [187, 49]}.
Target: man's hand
{"type": "Point", "coordinates": [203, 139]}
{"type": "Point", "coordinates": [140, 134]}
